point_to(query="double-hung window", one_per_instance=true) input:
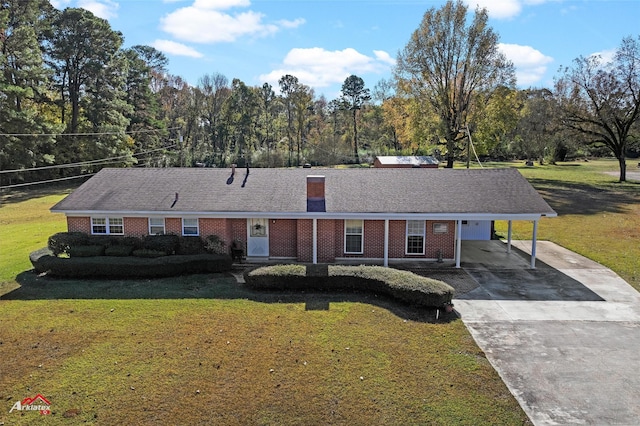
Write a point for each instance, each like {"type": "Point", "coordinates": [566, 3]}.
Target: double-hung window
{"type": "Point", "coordinates": [415, 236]}
{"type": "Point", "coordinates": [353, 236]}
{"type": "Point", "coordinates": [190, 227]}
{"type": "Point", "coordinates": [107, 225]}
{"type": "Point", "coordinates": [156, 226]}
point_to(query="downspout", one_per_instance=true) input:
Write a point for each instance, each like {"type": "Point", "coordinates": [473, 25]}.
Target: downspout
{"type": "Point", "coordinates": [534, 243]}
{"type": "Point", "coordinates": [315, 241]}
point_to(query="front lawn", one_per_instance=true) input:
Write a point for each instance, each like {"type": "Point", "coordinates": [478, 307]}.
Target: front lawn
{"type": "Point", "coordinates": [203, 350]}
{"type": "Point", "coordinates": [238, 358]}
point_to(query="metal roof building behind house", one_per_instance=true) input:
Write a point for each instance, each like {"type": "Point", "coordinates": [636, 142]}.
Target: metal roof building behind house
{"type": "Point", "coordinates": [386, 161]}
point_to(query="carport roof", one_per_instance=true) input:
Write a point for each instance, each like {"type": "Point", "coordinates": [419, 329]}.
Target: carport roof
{"type": "Point", "coordinates": [371, 191]}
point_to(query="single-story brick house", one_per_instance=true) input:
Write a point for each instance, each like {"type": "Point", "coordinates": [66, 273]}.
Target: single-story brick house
{"type": "Point", "coordinates": [307, 215]}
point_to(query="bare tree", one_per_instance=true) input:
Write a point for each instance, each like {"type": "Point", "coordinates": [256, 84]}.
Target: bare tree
{"type": "Point", "coordinates": [601, 101]}
{"type": "Point", "coordinates": [451, 65]}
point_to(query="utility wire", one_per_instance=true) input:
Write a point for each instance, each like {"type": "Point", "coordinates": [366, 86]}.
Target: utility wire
{"type": "Point", "coordinates": [45, 181]}
{"type": "Point", "coordinates": [85, 163]}
{"type": "Point", "coordinates": [131, 132]}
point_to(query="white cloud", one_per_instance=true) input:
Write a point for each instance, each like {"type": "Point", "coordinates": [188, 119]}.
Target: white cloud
{"type": "Point", "coordinates": [291, 24]}
{"type": "Point", "coordinates": [606, 56]}
{"type": "Point", "coordinates": [220, 4]}
{"type": "Point", "coordinates": [59, 4]}
{"type": "Point", "coordinates": [318, 68]}
{"type": "Point", "coordinates": [499, 9]}
{"type": "Point", "coordinates": [530, 64]}
{"type": "Point", "coordinates": [383, 56]}
{"type": "Point", "coordinates": [205, 22]}
{"type": "Point", "coordinates": [105, 9]}
{"type": "Point", "coordinates": [504, 9]}
{"type": "Point", "coordinates": [178, 49]}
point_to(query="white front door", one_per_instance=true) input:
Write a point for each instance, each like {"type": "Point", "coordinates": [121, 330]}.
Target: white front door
{"type": "Point", "coordinates": [258, 241]}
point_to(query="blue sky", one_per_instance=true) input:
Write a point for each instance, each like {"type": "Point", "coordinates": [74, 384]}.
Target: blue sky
{"type": "Point", "coordinates": [324, 41]}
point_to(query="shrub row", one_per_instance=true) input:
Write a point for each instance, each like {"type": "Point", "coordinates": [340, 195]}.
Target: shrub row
{"type": "Point", "coordinates": [79, 244]}
{"type": "Point", "coordinates": [127, 267]}
{"type": "Point", "coordinates": [401, 285]}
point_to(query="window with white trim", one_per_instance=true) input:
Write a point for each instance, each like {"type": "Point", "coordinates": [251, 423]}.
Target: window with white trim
{"type": "Point", "coordinates": [190, 227]}
{"type": "Point", "coordinates": [156, 226]}
{"type": "Point", "coordinates": [107, 225]}
{"type": "Point", "coordinates": [415, 237]}
{"type": "Point", "coordinates": [353, 236]}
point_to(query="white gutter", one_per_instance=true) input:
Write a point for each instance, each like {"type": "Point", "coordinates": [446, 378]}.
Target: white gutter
{"type": "Point", "coordinates": [310, 215]}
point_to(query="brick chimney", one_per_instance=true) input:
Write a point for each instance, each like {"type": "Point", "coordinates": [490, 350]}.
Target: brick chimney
{"type": "Point", "coordinates": [315, 194]}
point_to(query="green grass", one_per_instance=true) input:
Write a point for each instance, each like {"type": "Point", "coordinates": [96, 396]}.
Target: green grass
{"type": "Point", "coordinates": [25, 226]}
{"type": "Point", "coordinates": [598, 217]}
{"type": "Point", "coordinates": [204, 350]}
{"type": "Point", "coordinates": [200, 361]}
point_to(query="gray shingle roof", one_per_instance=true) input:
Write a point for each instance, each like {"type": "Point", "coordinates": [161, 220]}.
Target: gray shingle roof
{"type": "Point", "coordinates": [370, 191]}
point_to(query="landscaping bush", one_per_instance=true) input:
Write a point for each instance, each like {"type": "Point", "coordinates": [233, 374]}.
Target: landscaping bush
{"type": "Point", "coordinates": [86, 251]}
{"type": "Point", "coordinates": [401, 285]}
{"type": "Point", "coordinates": [61, 242]}
{"type": "Point", "coordinates": [191, 245]}
{"type": "Point", "coordinates": [215, 245]}
{"type": "Point", "coordinates": [119, 250]}
{"type": "Point", "coordinates": [148, 253]}
{"type": "Point", "coordinates": [167, 243]}
{"type": "Point", "coordinates": [102, 240]}
{"type": "Point", "coordinates": [127, 267]}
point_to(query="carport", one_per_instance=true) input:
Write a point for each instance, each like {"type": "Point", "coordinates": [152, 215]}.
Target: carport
{"type": "Point", "coordinates": [534, 218]}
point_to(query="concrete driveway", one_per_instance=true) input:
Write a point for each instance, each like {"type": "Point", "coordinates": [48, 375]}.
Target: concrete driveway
{"type": "Point", "coordinates": [564, 337]}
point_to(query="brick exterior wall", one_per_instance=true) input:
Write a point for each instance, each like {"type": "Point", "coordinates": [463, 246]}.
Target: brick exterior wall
{"type": "Point", "coordinates": [445, 242]}
{"type": "Point", "coordinates": [397, 235]}
{"type": "Point", "coordinates": [79, 224]}
{"type": "Point", "coordinates": [294, 238]}
{"type": "Point", "coordinates": [305, 240]}
{"type": "Point", "coordinates": [173, 225]}
{"type": "Point", "coordinates": [283, 240]}
{"type": "Point", "coordinates": [327, 241]}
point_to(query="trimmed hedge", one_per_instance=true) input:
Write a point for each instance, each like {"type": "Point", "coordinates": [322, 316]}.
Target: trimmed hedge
{"type": "Point", "coordinates": [127, 267]}
{"type": "Point", "coordinates": [86, 251]}
{"type": "Point", "coordinates": [401, 285]}
{"type": "Point", "coordinates": [119, 250]}
{"type": "Point", "coordinates": [167, 243]}
{"type": "Point", "coordinates": [147, 246]}
{"type": "Point", "coordinates": [61, 242]}
{"type": "Point", "coordinates": [148, 253]}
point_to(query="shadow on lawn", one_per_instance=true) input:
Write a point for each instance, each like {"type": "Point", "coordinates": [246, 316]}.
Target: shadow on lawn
{"type": "Point", "coordinates": [16, 195]}
{"type": "Point", "coordinates": [585, 199]}
{"type": "Point", "coordinates": [202, 286]}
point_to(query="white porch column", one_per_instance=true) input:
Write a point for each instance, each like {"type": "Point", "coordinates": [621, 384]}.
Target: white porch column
{"type": "Point", "coordinates": [386, 243]}
{"type": "Point", "coordinates": [509, 237]}
{"type": "Point", "coordinates": [534, 243]}
{"type": "Point", "coordinates": [315, 241]}
{"type": "Point", "coordinates": [458, 242]}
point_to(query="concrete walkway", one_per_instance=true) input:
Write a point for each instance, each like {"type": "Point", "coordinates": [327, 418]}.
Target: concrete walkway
{"type": "Point", "coordinates": [564, 337]}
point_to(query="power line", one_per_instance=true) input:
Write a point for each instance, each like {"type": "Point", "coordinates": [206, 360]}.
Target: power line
{"type": "Point", "coordinates": [85, 163]}
{"type": "Point", "coordinates": [45, 181]}
{"type": "Point", "coordinates": [131, 132]}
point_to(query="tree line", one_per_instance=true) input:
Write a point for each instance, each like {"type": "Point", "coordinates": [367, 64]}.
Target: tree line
{"type": "Point", "coordinates": [73, 100]}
